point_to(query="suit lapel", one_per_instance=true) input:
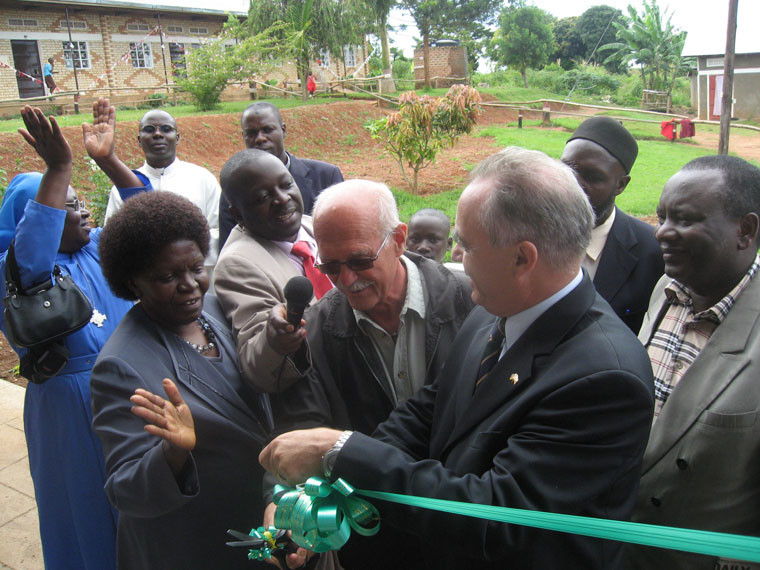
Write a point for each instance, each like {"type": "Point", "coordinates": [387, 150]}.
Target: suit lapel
{"type": "Point", "coordinates": [220, 397]}
{"type": "Point", "coordinates": [722, 359]}
{"type": "Point", "coordinates": [617, 261]}
{"type": "Point", "coordinates": [520, 362]}
{"type": "Point", "coordinates": [302, 175]}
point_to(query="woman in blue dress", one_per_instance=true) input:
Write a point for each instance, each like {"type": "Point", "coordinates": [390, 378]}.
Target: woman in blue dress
{"type": "Point", "coordinates": [51, 226]}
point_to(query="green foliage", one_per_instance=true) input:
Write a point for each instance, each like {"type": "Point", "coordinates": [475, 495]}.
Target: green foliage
{"type": "Point", "coordinates": [97, 199]}
{"type": "Point", "coordinates": [310, 26]}
{"type": "Point", "coordinates": [596, 27]}
{"type": "Point", "coordinates": [586, 79]}
{"type": "Point", "coordinates": [402, 69]}
{"type": "Point", "coordinates": [3, 182]}
{"type": "Point", "coordinates": [650, 41]}
{"type": "Point", "coordinates": [524, 39]}
{"type": "Point", "coordinates": [424, 125]}
{"type": "Point", "coordinates": [570, 47]}
{"type": "Point", "coordinates": [228, 57]}
{"type": "Point", "coordinates": [156, 100]}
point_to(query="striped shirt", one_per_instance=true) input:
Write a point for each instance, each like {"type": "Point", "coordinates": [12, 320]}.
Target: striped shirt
{"type": "Point", "coordinates": [682, 334]}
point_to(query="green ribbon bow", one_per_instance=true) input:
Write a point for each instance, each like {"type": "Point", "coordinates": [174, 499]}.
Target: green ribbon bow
{"type": "Point", "coordinates": [264, 551]}
{"type": "Point", "coordinates": [321, 516]}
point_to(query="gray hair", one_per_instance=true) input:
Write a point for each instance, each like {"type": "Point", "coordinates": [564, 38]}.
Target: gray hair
{"type": "Point", "coordinates": [377, 195]}
{"type": "Point", "coordinates": [535, 198]}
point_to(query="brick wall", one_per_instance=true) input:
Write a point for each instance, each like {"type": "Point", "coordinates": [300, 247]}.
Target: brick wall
{"type": "Point", "coordinates": [445, 61]}
{"type": "Point", "coordinates": [107, 34]}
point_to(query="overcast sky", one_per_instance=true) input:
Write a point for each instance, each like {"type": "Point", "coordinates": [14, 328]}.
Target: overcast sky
{"type": "Point", "coordinates": [690, 15]}
{"type": "Point", "coordinates": [687, 15]}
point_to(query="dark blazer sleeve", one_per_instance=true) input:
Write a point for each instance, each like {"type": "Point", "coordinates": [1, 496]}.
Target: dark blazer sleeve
{"type": "Point", "coordinates": [140, 482]}
{"type": "Point", "coordinates": [553, 463]}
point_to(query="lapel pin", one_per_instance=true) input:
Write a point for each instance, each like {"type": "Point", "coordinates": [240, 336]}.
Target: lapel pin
{"type": "Point", "coordinates": [514, 378]}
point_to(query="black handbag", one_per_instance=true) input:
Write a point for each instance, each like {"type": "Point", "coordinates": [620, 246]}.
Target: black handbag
{"type": "Point", "coordinates": [44, 313]}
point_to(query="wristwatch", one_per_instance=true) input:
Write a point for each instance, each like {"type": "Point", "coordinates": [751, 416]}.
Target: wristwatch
{"type": "Point", "coordinates": [329, 458]}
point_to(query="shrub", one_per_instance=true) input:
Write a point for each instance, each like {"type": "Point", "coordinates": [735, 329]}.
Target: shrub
{"type": "Point", "coordinates": [97, 199]}
{"type": "Point", "coordinates": [424, 125]}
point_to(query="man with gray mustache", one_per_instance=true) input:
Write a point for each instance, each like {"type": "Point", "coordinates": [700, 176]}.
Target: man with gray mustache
{"type": "Point", "coordinates": [381, 334]}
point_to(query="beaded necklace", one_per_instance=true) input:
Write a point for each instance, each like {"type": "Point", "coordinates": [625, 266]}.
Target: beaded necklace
{"type": "Point", "coordinates": [209, 334]}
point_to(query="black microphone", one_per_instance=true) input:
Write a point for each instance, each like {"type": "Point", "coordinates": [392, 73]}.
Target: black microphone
{"type": "Point", "coordinates": [298, 292]}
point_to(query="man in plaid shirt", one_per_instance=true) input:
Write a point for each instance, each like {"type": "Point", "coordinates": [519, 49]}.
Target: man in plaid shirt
{"type": "Point", "coordinates": [702, 332]}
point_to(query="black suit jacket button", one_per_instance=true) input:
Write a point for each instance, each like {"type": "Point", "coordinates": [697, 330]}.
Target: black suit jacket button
{"type": "Point", "coordinates": [682, 464]}
{"type": "Point", "coordinates": [656, 502]}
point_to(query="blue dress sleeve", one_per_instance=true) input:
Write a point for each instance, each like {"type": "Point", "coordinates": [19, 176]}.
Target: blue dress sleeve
{"type": "Point", "coordinates": [127, 193]}
{"type": "Point", "coordinates": [38, 237]}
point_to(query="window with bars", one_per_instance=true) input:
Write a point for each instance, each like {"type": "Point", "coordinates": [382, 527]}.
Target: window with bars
{"type": "Point", "coordinates": [199, 31]}
{"type": "Point", "coordinates": [22, 22]}
{"type": "Point", "coordinates": [349, 56]}
{"type": "Point", "coordinates": [177, 57]}
{"type": "Point", "coordinates": [75, 25]}
{"type": "Point", "coordinates": [324, 57]}
{"type": "Point", "coordinates": [174, 29]}
{"type": "Point", "coordinates": [76, 55]}
{"type": "Point", "coordinates": [141, 54]}
{"type": "Point", "coordinates": [138, 27]}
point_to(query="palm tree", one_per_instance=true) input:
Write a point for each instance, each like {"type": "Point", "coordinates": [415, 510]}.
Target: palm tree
{"type": "Point", "coordinates": [649, 40]}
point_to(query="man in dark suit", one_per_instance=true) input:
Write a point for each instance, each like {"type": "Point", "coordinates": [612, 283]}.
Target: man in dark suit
{"type": "Point", "coordinates": [623, 259]}
{"type": "Point", "coordinates": [263, 129]}
{"type": "Point", "coordinates": [550, 412]}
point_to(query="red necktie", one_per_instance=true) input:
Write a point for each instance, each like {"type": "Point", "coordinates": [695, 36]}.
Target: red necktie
{"type": "Point", "coordinates": [319, 280]}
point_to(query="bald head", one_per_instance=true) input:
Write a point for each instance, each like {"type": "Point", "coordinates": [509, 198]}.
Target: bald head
{"type": "Point", "coordinates": [360, 238]}
{"type": "Point", "coordinates": [358, 198]}
{"type": "Point", "coordinates": [158, 137]}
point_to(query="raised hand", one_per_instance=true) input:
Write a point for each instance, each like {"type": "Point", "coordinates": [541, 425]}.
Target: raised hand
{"type": "Point", "coordinates": [99, 137]}
{"type": "Point", "coordinates": [169, 419]}
{"type": "Point", "coordinates": [45, 137]}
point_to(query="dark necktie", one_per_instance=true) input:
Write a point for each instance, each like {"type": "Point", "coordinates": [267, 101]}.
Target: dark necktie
{"type": "Point", "coordinates": [492, 350]}
{"type": "Point", "coordinates": [319, 280]}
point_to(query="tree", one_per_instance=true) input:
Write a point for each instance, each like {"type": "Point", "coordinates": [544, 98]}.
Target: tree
{"type": "Point", "coordinates": [311, 27]}
{"type": "Point", "coordinates": [570, 48]}
{"type": "Point", "coordinates": [233, 55]}
{"type": "Point", "coordinates": [424, 125]}
{"type": "Point", "coordinates": [650, 41]}
{"type": "Point", "coordinates": [381, 9]}
{"type": "Point", "coordinates": [596, 27]}
{"type": "Point", "coordinates": [448, 16]}
{"type": "Point", "coordinates": [524, 39]}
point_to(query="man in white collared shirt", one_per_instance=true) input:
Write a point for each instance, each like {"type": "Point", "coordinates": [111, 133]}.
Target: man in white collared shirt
{"type": "Point", "coordinates": [158, 137]}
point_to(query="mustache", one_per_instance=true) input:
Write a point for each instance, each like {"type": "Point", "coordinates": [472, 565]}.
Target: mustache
{"type": "Point", "coordinates": [356, 286]}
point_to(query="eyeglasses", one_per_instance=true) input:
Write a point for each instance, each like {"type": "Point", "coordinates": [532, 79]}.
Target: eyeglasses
{"type": "Point", "coordinates": [354, 264]}
{"type": "Point", "coordinates": [76, 204]}
{"type": "Point", "coordinates": [150, 129]}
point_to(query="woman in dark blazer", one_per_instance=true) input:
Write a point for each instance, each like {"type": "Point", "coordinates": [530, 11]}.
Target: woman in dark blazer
{"type": "Point", "coordinates": [189, 474]}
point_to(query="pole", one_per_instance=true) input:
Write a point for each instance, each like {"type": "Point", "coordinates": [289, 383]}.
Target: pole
{"type": "Point", "coordinates": [728, 78]}
{"type": "Point", "coordinates": [163, 52]}
{"type": "Point", "coordinates": [73, 63]}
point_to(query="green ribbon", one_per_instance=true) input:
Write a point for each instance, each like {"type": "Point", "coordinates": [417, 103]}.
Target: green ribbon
{"type": "Point", "coordinates": [722, 545]}
{"type": "Point", "coordinates": [264, 551]}
{"type": "Point", "coordinates": [321, 516]}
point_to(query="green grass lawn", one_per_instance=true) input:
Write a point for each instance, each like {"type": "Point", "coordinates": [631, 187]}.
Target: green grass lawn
{"type": "Point", "coordinates": [657, 161]}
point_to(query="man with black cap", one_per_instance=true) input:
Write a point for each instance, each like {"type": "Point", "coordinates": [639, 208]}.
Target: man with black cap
{"type": "Point", "coordinates": [623, 258]}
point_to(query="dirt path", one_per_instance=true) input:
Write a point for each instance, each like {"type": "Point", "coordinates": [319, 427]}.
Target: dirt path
{"type": "Point", "coordinates": [744, 145]}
